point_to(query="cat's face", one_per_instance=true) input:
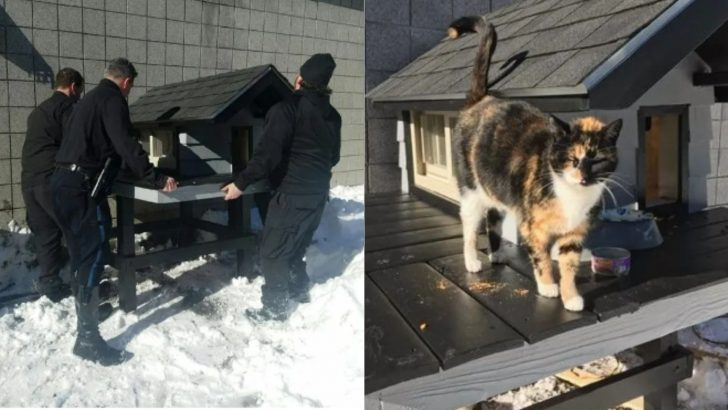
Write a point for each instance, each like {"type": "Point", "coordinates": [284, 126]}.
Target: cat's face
{"type": "Point", "coordinates": [585, 152]}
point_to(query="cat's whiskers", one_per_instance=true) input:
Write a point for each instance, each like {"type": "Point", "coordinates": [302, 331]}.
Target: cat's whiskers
{"type": "Point", "coordinates": [609, 191]}
{"type": "Point", "coordinates": [617, 184]}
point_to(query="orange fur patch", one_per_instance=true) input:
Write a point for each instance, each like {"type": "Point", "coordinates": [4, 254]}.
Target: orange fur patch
{"type": "Point", "coordinates": [590, 124]}
{"type": "Point", "coordinates": [452, 33]}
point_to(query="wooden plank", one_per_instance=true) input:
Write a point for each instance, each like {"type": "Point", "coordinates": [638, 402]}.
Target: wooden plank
{"type": "Point", "coordinates": [374, 228]}
{"type": "Point", "coordinates": [402, 215]}
{"type": "Point", "coordinates": [509, 369]}
{"type": "Point", "coordinates": [396, 240]}
{"type": "Point", "coordinates": [513, 298]}
{"type": "Point", "coordinates": [416, 253]}
{"type": "Point", "coordinates": [393, 351]}
{"type": "Point", "coordinates": [398, 206]}
{"type": "Point", "coordinates": [454, 325]}
{"type": "Point", "coordinates": [387, 199]}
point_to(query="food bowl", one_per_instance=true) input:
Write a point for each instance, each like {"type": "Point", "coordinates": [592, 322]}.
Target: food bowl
{"type": "Point", "coordinates": [610, 261]}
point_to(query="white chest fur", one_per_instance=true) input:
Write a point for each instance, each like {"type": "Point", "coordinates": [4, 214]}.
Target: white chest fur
{"type": "Point", "coordinates": [575, 200]}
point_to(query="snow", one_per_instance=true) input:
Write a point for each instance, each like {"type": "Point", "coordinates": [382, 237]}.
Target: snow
{"type": "Point", "coordinates": [191, 342]}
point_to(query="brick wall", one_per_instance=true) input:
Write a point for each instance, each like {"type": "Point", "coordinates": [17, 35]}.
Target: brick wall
{"type": "Point", "coordinates": [170, 41]}
{"type": "Point", "coordinates": [397, 31]}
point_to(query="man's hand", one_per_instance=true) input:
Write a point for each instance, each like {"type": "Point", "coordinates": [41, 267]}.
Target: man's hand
{"type": "Point", "coordinates": [231, 192]}
{"type": "Point", "coordinates": [170, 185]}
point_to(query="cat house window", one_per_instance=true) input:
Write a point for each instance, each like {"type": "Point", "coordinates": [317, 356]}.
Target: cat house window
{"type": "Point", "coordinates": [159, 143]}
{"type": "Point", "coordinates": [432, 152]}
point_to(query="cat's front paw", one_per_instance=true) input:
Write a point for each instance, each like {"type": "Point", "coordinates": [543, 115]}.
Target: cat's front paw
{"type": "Point", "coordinates": [574, 304]}
{"type": "Point", "coordinates": [549, 290]}
{"type": "Point", "coordinates": [473, 264]}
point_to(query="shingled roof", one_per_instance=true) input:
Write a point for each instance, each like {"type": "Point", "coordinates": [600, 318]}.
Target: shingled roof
{"type": "Point", "coordinates": [598, 53]}
{"type": "Point", "coordinates": [209, 98]}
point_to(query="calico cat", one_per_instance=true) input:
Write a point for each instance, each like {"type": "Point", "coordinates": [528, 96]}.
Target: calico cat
{"type": "Point", "coordinates": [512, 157]}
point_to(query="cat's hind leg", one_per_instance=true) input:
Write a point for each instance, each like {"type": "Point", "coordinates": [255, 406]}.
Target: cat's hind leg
{"type": "Point", "coordinates": [570, 247]}
{"type": "Point", "coordinates": [472, 209]}
{"type": "Point", "coordinates": [494, 224]}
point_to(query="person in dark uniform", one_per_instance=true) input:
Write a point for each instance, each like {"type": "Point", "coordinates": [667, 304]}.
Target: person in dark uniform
{"type": "Point", "coordinates": [98, 138]}
{"type": "Point", "coordinates": [45, 131]}
{"type": "Point", "coordinates": [300, 145]}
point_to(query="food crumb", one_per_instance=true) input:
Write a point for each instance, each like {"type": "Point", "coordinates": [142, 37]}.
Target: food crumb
{"type": "Point", "coordinates": [423, 326]}
{"type": "Point", "coordinates": [520, 292]}
{"type": "Point", "coordinates": [486, 286]}
{"type": "Point", "coordinates": [441, 284]}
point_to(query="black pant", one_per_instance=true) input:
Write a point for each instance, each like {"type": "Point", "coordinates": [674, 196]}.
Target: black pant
{"type": "Point", "coordinates": [47, 233]}
{"type": "Point", "coordinates": [86, 224]}
{"type": "Point", "coordinates": [289, 226]}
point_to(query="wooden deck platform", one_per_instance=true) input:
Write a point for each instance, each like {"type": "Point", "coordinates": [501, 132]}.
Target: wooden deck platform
{"type": "Point", "coordinates": [440, 337]}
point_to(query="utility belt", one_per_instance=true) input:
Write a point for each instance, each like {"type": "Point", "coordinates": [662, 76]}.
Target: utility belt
{"type": "Point", "coordinates": [100, 182]}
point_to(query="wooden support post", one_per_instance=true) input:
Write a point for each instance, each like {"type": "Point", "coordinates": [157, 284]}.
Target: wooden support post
{"type": "Point", "coordinates": [239, 223]}
{"type": "Point", "coordinates": [125, 248]}
{"type": "Point", "coordinates": [666, 398]}
{"type": "Point", "coordinates": [186, 213]}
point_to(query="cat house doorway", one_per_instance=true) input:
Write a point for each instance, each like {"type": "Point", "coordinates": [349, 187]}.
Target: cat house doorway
{"type": "Point", "coordinates": [663, 159]}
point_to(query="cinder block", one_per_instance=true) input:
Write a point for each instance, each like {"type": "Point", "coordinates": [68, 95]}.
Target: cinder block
{"type": "Point", "coordinates": [115, 5]}
{"type": "Point", "coordinates": [268, 58]}
{"type": "Point", "coordinates": [15, 169]}
{"type": "Point", "coordinates": [93, 71]}
{"type": "Point", "coordinates": [296, 26]}
{"type": "Point", "coordinates": [392, 57]}
{"type": "Point", "coordinates": [18, 201]}
{"type": "Point", "coordinates": [20, 12]}
{"type": "Point", "coordinates": [295, 45]}
{"type": "Point", "coordinates": [70, 2]}
{"type": "Point", "coordinates": [282, 42]}
{"type": "Point", "coordinates": [208, 58]}
{"type": "Point", "coordinates": [174, 54]}
{"type": "Point", "coordinates": [115, 47]}
{"type": "Point", "coordinates": [94, 4]}
{"type": "Point", "coordinates": [157, 30]}
{"type": "Point", "coordinates": [115, 24]}
{"type": "Point", "coordinates": [255, 41]}
{"type": "Point", "coordinates": [257, 4]}
{"type": "Point", "coordinates": [137, 7]}
{"type": "Point", "coordinates": [46, 42]}
{"type": "Point", "coordinates": [5, 218]}
{"type": "Point", "coordinates": [225, 37]}
{"type": "Point", "coordinates": [392, 11]}
{"type": "Point", "coordinates": [18, 119]}
{"type": "Point", "coordinates": [227, 16]}
{"type": "Point", "coordinates": [136, 51]}
{"type": "Point", "coordinates": [209, 35]}
{"type": "Point", "coordinates": [206, 72]}
{"type": "Point", "coordinates": [22, 93]}
{"type": "Point", "coordinates": [193, 11]}
{"type": "Point", "coordinates": [141, 80]}
{"type": "Point", "coordinates": [45, 16]}
{"type": "Point", "coordinates": [94, 47]}
{"type": "Point", "coordinates": [4, 120]}
{"type": "Point", "coordinates": [423, 40]}
{"type": "Point", "coordinates": [240, 41]}
{"type": "Point", "coordinates": [270, 22]}
{"type": "Point", "coordinates": [210, 13]}
{"type": "Point", "coordinates": [93, 21]}
{"type": "Point", "coordinates": [193, 33]}
{"type": "Point", "coordinates": [4, 144]}
{"type": "Point", "coordinates": [224, 59]}
{"type": "Point", "coordinates": [322, 28]}
{"type": "Point", "coordinates": [19, 40]}
{"type": "Point", "coordinates": [257, 20]}
{"type": "Point", "coordinates": [71, 44]}
{"type": "Point", "coordinates": [239, 59]}
{"type": "Point", "coordinates": [192, 56]}
{"type": "Point", "coordinates": [3, 94]}
{"type": "Point", "coordinates": [269, 42]}
{"type": "Point", "coordinates": [155, 75]}
{"type": "Point", "coordinates": [173, 75]}
{"type": "Point", "coordinates": [136, 27]}
{"type": "Point", "coordinates": [16, 144]}
{"type": "Point", "coordinates": [242, 18]}
{"type": "Point", "coordinates": [311, 9]}
{"type": "Point", "coordinates": [175, 32]}
{"type": "Point", "coordinates": [70, 18]}
{"type": "Point", "coordinates": [175, 10]}
{"type": "Point", "coordinates": [156, 8]}
{"type": "Point", "coordinates": [190, 73]}
{"type": "Point", "coordinates": [155, 53]}
{"type": "Point", "coordinates": [75, 63]}
{"type": "Point", "coordinates": [254, 58]}
{"type": "Point", "coordinates": [5, 173]}
{"type": "Point", "coordinates": [6, 195]}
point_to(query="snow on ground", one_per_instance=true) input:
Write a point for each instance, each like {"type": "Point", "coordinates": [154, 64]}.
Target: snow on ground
{"type": "Point", "coordinates": [191, 341]}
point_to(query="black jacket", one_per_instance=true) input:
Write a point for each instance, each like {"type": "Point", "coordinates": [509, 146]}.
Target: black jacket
{"type": "Point", "coordinates": [100, 128]}
{"type": "Point", "coordinates": [45, 131]}
{"type": "Point", "coordinates": [300, 144]}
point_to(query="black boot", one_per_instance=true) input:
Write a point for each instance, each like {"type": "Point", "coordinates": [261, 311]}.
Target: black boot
{"type": "Point", "coordinates": [299, 283]}
{"type": "Point", "coordinates": [53, 287]}
{"type": "Point", "coordinates": [89, 343]}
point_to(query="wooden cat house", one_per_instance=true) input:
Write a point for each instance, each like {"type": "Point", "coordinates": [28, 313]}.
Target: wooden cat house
{"type": "Point", "coordinates": [657, 65]}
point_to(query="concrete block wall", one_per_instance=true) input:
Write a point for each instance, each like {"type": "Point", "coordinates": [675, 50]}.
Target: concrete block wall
{"type": "Point", "coordinates": [170, 41]}
{"type": "Point", "coordinates": [397, 31]}
{"type": "Point", "coordinates": [717, 183]}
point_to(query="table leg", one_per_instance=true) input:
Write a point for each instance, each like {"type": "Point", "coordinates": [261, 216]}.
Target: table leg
{"type": "Point", "coordinates": [666, 398]}
{"type": "Point", "coordinates": [239, 223]}
{"type": "Point", "coordinates": [186, 213]}
{"type": "Point", "coordinates": [125, 250]}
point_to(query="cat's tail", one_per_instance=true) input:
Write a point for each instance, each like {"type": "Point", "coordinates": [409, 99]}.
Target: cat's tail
{"type": "Point", "coordinates": [479, 81]}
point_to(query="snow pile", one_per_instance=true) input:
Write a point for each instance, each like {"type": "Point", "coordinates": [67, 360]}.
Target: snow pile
{"type": "Point", "coordinates": [191, 341]}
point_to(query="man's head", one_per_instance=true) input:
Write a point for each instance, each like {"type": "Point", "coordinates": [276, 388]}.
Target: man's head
{"type": "Point", "coordinates": [315, 73]}
{"type": "Point", "coordinates": [123, 73]}
{"type": "Point", "coordinates": [69, 82]}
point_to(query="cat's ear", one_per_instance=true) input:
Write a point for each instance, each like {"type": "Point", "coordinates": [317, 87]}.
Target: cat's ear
{"type": "Point", "coordinates": [611, 131]}
{"type": "Point", "coordinates": [560, 124]}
